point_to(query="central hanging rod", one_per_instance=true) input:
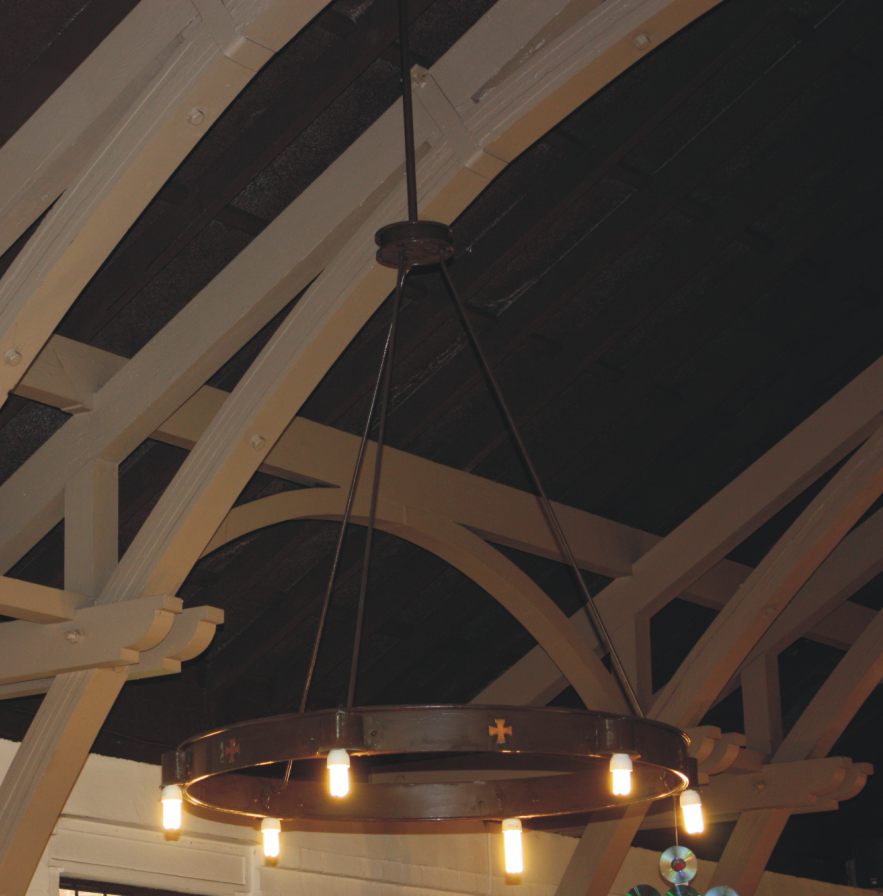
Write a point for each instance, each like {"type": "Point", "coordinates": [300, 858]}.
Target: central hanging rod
{"type": "Point", "coordinates": [408, 110]}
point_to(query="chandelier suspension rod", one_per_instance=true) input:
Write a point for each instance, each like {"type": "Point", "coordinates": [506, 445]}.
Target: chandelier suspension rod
{"type": "Point", "coordinates": [548, 509]}
{"type": "Point", "coordinates": [408, 112]}
{"type": "Point", "coordinates": [344, 522]}
{"type": "Point", "coordinates": [389, 353]}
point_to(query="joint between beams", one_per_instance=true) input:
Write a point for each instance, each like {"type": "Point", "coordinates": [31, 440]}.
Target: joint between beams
{"type": "Point", "coordinates": [224, 31]}
{"type": "Point", "coordinates": [436, 104]}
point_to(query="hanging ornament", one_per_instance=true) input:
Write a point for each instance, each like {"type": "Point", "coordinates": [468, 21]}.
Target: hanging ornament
{"type": "Point", "coordinates": [721, 891]}
{"type": "Point", "coordinates": [682, 890]}
{"type": "Point", "coordinates": [643, 890]}
{"type": "Point", "coordinates": [678, 865]}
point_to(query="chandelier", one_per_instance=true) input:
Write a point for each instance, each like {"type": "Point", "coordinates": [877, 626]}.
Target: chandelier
{"type": "Point", "coordinates": [428, 763]}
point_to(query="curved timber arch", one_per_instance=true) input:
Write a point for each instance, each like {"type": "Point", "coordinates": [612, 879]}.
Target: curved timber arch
{"type": "Point", "coordinates": [463, 550]}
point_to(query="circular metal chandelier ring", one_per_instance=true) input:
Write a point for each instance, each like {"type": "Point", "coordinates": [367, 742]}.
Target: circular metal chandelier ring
{"type": "Point", "coordinates": [557, 758]}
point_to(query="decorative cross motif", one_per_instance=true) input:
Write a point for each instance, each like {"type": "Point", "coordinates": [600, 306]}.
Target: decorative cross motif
{"type": "Point", "coordinates": [500, 731]}
{"type": "Point", "coordinates": [229, 750]}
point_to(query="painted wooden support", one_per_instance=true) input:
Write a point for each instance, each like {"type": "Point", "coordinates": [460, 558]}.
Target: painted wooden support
{"type": "Point", "coordinates": [463, 550]}
{"type": "Point", "coordinates": [803, 785]}
{"type": "Point", "coordinates": [333, 310]}
{"type": "Point", "coordinates": [635, 651]}
{"type": "Point", "coordinates": [754, 496]}
{"type": "Point", "coordinates": [820, 725]}
{"type": "Point", "coordinates": [762, 703]}
{"type": "Point", "coordinates": [716, 752]}
{"type": "Point", "coordinates": [43, 157]}
{"type": "Point", "coordinates": [851, 565]}
{"type": "Point", "coordinates": [732, 635]}
{"type": "Point", "coordinates": [169, 107]}
{"type": "Point", "coordinates": [67, 373]}
{"type": "Point", "coordinates": [37, 603]}
{"type": "Point", "coordinates": [741, 624]}
{"type": "Point", "coordinates": [812, 736]}
{"type": "Point", "coordinates": [91, 526]}
{"type": "Point", "coordinates": [94, 637]}
{"type": "Point", "coordinates": [535, 679]}
{"type": "Point", "coordinates": [46, 766]}
{"type": "Point", "coordinates": [191, 632]}
{"type": "Point", "coordinates": [311, 453]}
{"type": "Point", "coordinates": [48, 761]}
{"type": "Point", "coordinates": [599, 854]}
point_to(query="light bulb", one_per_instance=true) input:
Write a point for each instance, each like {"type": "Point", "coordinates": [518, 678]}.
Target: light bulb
{"type": "Point", "coordinates": [338, 773]}
{"type": "Point", "coordinates": [513, 854]}
{"type": "Point", "coordinates": [172, 798]}
{"type": "Point", "coordinates": [691, 808]}
{"type": "Point", "coordinates": [270, 830]}
{"type": "Point", "coordinates": [621, 774]}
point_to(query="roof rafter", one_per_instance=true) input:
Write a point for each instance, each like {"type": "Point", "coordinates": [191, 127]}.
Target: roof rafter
{"type": "Point", "coordinates": [547, 85]}
{"type": "Point", "coordinates": [67, 372]}
{"type": "Point", "coordinates": [463, 550]}
{"type": "Point", "coordinates": [767, 591]}
{"type": "Point", "coordinates": [166, 110]}
{"type": "Point", "coordinates": [843, 418]}
{"type": "Point", "coordinates": [812, 736]}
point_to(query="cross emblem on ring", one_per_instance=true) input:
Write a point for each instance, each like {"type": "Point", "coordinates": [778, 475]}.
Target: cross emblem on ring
{"type": "Point", "coordinates": [229, 750]}
{"type": "Point", "coordinates": [500, 730]}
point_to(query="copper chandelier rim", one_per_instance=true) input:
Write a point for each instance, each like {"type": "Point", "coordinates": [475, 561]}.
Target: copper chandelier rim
{"type": "Point", "coordinates": [434, 763]}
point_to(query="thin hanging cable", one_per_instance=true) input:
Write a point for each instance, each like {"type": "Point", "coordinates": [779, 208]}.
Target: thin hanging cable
{"type": "Point", "coordinates": [408, 112]}
{"type": "Point", "coordinates": [545, 503]}
{"type": "Point", "coordinates": [674, 803]}
{"type": "Point", "coordinates": [375, 486]}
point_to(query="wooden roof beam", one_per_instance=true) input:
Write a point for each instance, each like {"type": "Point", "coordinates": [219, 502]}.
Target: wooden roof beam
{"type": "Point", "coordinates": [804, 785]}
{"type": "Point", "coordinates": [813, 735]}
{"type": "Point", "coordinates": [37, 603]}
{"type": "Point", "coordinates": [46, 766]}
{"type": "Point", "coordinates": [768, 590]}
{"type": "Point", "coordinates": [67, 373]}
{"type": "Point", "coordinates": [161, 115]}
{"type": "Point", "coordinates": [94, 637]}
{"type": "Point", "coordinates": [851, 565]}
{"type": "Point", "coordinates": [535, 93]}
{"type": "Point", "coordinates": [857, 404]}
{"type": "Point", "coordinates": [718, 654]}
{"type": "Point", "coordinates": [463, 550]}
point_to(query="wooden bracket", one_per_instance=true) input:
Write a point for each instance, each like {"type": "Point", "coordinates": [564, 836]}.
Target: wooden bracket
{"type": "Point", "coordinates": [106, 636]}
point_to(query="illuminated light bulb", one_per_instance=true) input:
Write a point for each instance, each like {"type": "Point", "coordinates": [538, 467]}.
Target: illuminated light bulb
{"type": "Point", "coordinates": [513, 854]}
{"type": "Point", "coordinates": [621, 774]}
{"type": "Point", "coordinates": [172, 798]}
{"type": "Point", "coordinates": [270, 831]}
{"type": "Point", "coordinates": [338, 773]}
{"type": "Point", "coordinates": [691, 808]}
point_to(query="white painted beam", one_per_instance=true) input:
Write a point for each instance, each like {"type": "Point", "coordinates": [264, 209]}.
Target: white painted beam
{"type": "Point", "coordinates": [46, 766]}
{"type": "Point", "coordinates": [801, 785]}
{"type": "Point", "coordinates": [334, 309]}
{"type": "Point", "coordinates": [488, 568]}
{"type": "Point", "coordinates": [813, 735]}
{"type": "Point", "coordinates": [94, 637]}
{"type": "Point", "coordinates": [37, 603]}
{"type": "Point", "coordinates": [157, 115]}
{"type": "Point", "coordinates": [741, 624]}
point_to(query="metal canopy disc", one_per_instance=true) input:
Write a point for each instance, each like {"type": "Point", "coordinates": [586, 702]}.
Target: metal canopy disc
{"type": "Point", "coordinates": [558, 760]}
{"type": "Point", "coordinates": [414, 244]}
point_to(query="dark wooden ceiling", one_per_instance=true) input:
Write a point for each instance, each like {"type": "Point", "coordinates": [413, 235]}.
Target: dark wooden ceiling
{"type": "Point", "coordinates": [667, 283]}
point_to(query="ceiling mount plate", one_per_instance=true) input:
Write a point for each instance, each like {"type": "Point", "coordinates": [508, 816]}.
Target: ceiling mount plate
{"type": "Point", "coordinates": [414, 244]}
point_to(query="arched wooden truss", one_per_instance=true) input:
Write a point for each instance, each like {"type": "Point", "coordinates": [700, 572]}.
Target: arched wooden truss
{"type": "Point", "coordinates": [120, 620]}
